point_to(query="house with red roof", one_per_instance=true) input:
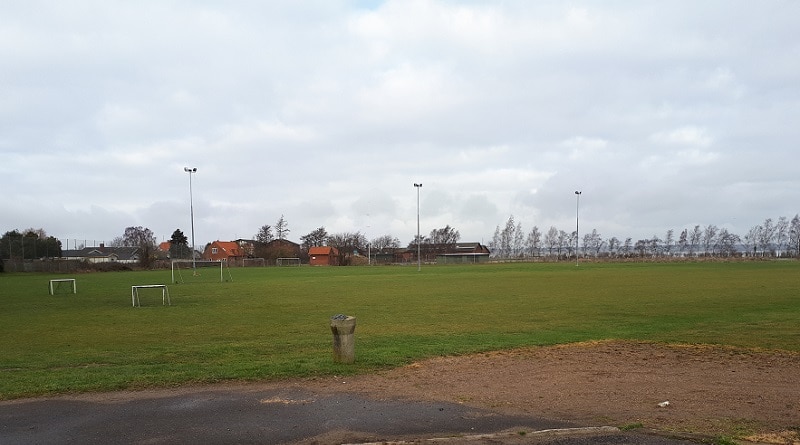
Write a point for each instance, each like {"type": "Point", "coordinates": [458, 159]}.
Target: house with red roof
{"type": "Point", "coordinates": [323, 256]}
{"type": "Point", "coordinates": [223, 251]}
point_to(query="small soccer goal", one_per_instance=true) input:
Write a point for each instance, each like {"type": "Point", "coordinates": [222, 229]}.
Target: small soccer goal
{"type": "Point", "coordinates": [287, 262]}
{"type": "Point", "coordinates": [200, 271]}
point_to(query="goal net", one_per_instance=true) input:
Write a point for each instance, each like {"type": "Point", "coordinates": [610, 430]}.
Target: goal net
{"type": "Point", "coordinates": [200, 271]}
{"type": "Point", "coordinates": [287, 261]}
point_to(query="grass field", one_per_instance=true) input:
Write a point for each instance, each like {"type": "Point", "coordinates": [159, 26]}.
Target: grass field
{"type": "Point", "coordinates": [272, 323]}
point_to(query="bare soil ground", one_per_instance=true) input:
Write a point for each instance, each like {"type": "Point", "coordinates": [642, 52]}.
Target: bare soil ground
{"type": "Point", "coordinates": [715, 391]}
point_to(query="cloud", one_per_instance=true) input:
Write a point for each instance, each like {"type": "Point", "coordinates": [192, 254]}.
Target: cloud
{"type": "Point", "coordinates": [330, 113]}
{"type": "Point", "coordinates": [582, 147]}
{"type": "Point", "coordinates": [684, 136]}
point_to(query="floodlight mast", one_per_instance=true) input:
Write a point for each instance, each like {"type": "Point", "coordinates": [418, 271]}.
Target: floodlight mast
{"type": "Point", "coordinates": [191, 214]}
{"type": "Point", "coordinates": [577, 220]}
{"type": "Point", "coordinates": [419, 261]}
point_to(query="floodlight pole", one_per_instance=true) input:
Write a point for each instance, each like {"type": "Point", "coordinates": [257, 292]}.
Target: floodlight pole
{"type": "Point", "coordinates": [577, 220]}
{"type": "Point", "coordinates": [419, 260]}
{"type": "Point", "coordinates": [191, 213]}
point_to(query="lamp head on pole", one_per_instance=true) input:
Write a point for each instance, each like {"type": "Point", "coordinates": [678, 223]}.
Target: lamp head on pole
{"type": "Point", "coordinates": [190, 170]}
{"type": "Point", "coordinates": [577, 192]}
{"type": "Point", "coordinates": [417, 185]}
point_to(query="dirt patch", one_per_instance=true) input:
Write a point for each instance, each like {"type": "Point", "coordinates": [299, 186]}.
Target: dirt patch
{"type": "Point", "coordinates": [679, 388]}
{"type": "Point", "coordinates": [711, 390]}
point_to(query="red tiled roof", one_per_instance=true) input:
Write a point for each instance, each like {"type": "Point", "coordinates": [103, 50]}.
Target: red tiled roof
{"type": "Point", "coordinates": [230, 247]}
{"type": "Point", "coordinates": [323, 250]}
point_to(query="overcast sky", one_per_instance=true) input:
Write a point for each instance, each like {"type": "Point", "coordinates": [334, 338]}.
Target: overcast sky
{"type": "Point", "coordinates": [665, 114]}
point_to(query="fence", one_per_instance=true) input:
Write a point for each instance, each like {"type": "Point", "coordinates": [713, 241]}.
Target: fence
{"type": "Point", "coordinates": [49, 266]}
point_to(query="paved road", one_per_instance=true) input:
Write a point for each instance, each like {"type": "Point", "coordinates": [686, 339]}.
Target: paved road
{"type": "Point", "coordinates": [277, 416]}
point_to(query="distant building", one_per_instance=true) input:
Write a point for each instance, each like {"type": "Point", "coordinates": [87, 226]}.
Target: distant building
{"type": "Point", "coordinates": [450, 253]}
{"type": "Point", "coordinates": [103, 254]}
{"type": "Point", "coordinates": [223, 251]}
{"type": "Point", "coordinates": [323, 256]}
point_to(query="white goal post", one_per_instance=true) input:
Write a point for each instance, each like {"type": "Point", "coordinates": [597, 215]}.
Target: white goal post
{"type": "Point", "coordinates": [287, 261]}
{"type": "Point", "coordinates": [191, 267]}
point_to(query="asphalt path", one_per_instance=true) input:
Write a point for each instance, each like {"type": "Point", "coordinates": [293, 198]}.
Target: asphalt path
{"type": "Point", "coordinates": [246, 415]}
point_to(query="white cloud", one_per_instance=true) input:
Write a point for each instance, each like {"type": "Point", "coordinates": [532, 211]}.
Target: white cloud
{"type": "Point", "coordinates": [684, 136]}
{"type": "Point", "coordinates": [409, 93]}
{"type": "Point", "coordinates": [581, 147]}
{"type": "Point", "coordinates": [264, 132]}
{"type": "Point", "coordinates": [477, 156]}
{"type": "Point", "coordinates": [697, 157]}
{"type": "Point", "coordinates": [330, 113]}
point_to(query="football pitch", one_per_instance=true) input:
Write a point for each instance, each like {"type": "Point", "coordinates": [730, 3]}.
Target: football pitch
{"type": "Point", "coordinates": [272, 323]}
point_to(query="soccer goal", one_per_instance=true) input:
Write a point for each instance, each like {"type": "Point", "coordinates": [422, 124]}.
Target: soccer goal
{"type": "Point", "coordinates": [253, 262]}
{"type": "Point", "coordinates": [199, 271]}
{"type": "Point", "coordinates": [287, 261]}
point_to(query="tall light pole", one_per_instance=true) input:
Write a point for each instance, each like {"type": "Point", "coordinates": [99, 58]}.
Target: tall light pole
{"type": "Point", "coordinates": [419, 261]}
{"type": "Point", "coordinates": [369, 244]}
{"type": "Point", "coordinates": [191, 213]}
{"type": "Point", "coordinates": [577, 221]}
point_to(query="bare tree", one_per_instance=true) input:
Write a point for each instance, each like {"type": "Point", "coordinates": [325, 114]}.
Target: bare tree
{"type": "Point", "coordinates": [669, 242]}
{"type": "Point", "coordinates": [613, 246]}
{"type": "Point", "coordinates": [727, 243]}
{"type": "Point", "coordinates": [596, 243]}
{"type": "Point", "coordinates": [563, 241]}
{"type": "Point", "coordinates": [534, 241]}
{"type": "Point", "coordinates": [767, 235]}
{"type": "Point", "coordinates": [507, 237]}
{"type": "Point", "coordinates": [551, 239]}
{"type": "Point", "coordinates": [446, 235]}
{"type": "Point", "coordinates": [683, 241]}
{"type": "Point", "coordinates": [781, 234]}
{"type": "Point", "coordinates": [281, 228]}
{"type": "Point", "coordinates": [794, 235]}
{"type": "Point", "coordinates": [494, 245]}
{"type": "Point", "coordinates": [627, 247]}
{"type": "Point", "coordinates": [641, 246]}
{"type": "Point", "coordinates": [519, 241]}
{"type": "Point", "coordinates": [571, 244]}
{"type": "Point", "coordinates": [348, 243]}
{"type": "Point", "coordinates": [751, 240]}
{"type": "Point", "coordinates": [138, 237]}
{"type": "Point", "coordinates": [654, 245]}
{"type": "Point", "coordinates": [709, 238]}
{"type": "Point", "coordinates": [385, 242]}
{"type": "Point", "coordinates": [142, 238]}
{"type": "Point", "coordinates": [695, 237]}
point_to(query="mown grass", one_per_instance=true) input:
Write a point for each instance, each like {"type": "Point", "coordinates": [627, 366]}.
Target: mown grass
{"type": "Point", "coordinates": [271, 323]}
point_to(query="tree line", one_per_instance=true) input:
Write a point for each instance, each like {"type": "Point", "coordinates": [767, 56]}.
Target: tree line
{"type": "Point", "coordinates": [28, 244]}
{"type": "Point", "coordinates": [772, 238]}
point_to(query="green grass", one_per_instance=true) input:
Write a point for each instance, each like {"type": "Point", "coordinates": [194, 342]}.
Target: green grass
{"type": "Point", "coordinates": [271, 323]}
